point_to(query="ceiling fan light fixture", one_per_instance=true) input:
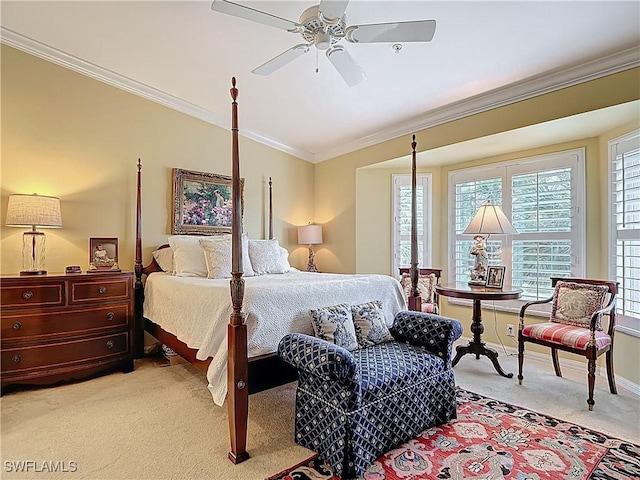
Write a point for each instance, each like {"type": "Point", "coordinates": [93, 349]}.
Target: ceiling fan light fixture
{"type": "Point", "coordinates": [323, 40]}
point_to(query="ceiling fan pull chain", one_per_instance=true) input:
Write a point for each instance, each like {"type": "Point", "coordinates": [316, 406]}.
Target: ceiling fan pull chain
{"type": "Point", "coordinates": [316, 60]}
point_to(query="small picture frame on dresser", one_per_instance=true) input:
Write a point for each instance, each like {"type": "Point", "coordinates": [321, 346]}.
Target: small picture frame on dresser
{"type": "Point", "coordinates": [103, 255]}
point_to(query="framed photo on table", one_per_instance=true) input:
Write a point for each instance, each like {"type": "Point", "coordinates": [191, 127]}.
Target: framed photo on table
{"type": "Point", "coordinates": [103, 255]}
{"type": "Point", "coordinates": [202, 202]}
{"type": "Point", "coordinates": [495, 276]}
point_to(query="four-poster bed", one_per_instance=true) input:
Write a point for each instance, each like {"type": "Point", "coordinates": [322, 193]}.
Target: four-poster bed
{"type": "Point", "coordinates": [248, 372]}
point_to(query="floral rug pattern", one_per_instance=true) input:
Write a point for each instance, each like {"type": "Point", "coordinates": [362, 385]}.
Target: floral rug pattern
{"type": "Point", "coordinates": [494, 440]}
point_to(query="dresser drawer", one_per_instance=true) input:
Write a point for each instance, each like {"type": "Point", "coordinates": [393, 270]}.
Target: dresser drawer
{"type": "Point", "coordinates": [91, 291]}
{"type": "Point", "coordinates": [28, 296]}
{"type": "Point", "coordinates": [18, 326]}
{"type": "Point", "coordinates": [57, 354]}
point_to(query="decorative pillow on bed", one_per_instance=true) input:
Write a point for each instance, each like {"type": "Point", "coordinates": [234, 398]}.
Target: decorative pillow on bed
{"type": "Point", "coordinates": [371, 328]}
{"type": "Point", "coordinates": [217, 255]}
{"type": "Point", "coordinates": [267, 256]}
{"type": "Point", "coordinates": [188, 257]}
{"type": "Point", "coordinates": [164, 258]}
{"type": "Point", "coordinates": [575, 303]}
{"type": "Point", "coordinates": [334, 324]}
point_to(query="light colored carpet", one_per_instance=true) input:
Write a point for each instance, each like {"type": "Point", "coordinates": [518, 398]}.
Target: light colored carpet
{"type": "Point", "coordinates": [160, 422]}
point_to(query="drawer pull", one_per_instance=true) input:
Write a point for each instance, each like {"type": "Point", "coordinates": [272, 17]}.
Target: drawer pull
{"type": "Point", "coordinates": [111, 344]}
{"type": "Point", "coordinates": [102, 290]}
{"type": "Point", "coordinates": [16, 358]}
{"type": "Point", "coordinates": [27, 295]}
{"type": "Point", "coordinates": [110, 316]}
{"type": "Point", "coordinates": [17, 326]}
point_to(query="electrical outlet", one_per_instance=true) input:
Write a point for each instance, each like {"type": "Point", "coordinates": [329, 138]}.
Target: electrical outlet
{"type": "Point", "coordinates": [510, 330]}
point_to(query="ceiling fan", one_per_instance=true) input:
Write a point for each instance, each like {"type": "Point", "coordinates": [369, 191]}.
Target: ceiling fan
{"type": "Point", "coordinates": [324, 26]}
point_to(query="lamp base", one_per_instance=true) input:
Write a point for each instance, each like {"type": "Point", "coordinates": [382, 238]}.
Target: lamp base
{"type": "Point", "coordinates": [33, 272]}
{"type": "Point", "coordinates": [311, 267]}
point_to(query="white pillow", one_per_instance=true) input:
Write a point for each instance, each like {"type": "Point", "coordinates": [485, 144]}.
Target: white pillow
{"type": "Point", "coordinates": [188, 257]}
{"type": "Point", "coordinates": [217, 255]}
{"type": "Point", "coordinates": [164, 258]}
{"type": "Point", "coordinates": [267, 256]}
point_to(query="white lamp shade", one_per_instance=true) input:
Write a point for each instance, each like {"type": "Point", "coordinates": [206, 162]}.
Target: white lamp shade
{"type": "Point", "coordinates": [490, 219]}
{"type": "Point", "coordinates": [310, 235]}
{"type": "Point", "coordinates": [33, 210]}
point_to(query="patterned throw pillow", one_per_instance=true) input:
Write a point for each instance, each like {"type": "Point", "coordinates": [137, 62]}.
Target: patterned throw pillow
{"type": "Point", "coordinates": [575, 303]}
{"type": "Point", "coordinates": [426, 286]}
{"type": "Point", "coordinates": [334, 324]}
{"type": "Point", "coordinates": [368, 320]}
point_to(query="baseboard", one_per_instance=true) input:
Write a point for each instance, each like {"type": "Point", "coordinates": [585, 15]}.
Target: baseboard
{"type": "Point", "coordinates": [567, 363]}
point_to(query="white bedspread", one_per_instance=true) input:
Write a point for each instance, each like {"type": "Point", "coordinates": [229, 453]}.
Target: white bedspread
{"type": "Point", "coordinates": [197, 310]}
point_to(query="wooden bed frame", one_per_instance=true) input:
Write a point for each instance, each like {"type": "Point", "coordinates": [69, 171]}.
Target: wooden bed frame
{"type": "Point", "coordinates": [244, 375]}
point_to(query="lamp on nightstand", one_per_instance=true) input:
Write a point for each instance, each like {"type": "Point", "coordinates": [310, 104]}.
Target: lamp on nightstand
{"type": "Point", "coordinates": [310, 235]}
{"type": "Point", "coordinates": [33, 211]}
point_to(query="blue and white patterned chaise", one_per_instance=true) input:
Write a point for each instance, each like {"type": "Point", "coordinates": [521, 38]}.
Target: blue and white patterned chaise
{"type": "Point", "coordinates": [353, 406]}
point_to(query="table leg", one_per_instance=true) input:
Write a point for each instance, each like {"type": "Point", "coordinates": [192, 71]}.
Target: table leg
{"type": "Point", "coordinates": [477, 346]}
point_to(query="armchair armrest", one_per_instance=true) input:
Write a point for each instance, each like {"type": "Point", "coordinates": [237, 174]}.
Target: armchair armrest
{"type": "Point", "coordinates": [317, 356]}
{"type": "Point", "coordinates": [434, 333]}
{"type": "Point", "coordinates": [604, 311]}
{"type": "Point", "coordinates": [528, 304]}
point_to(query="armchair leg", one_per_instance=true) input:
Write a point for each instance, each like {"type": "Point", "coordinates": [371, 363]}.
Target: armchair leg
{"type": "Point", "coordinates": [556, 362]}
{"type": "Point", "coordinates": [520, 357]}
{"type": "Point", "coordinates": [610, 375]}
{"type": "Point", "coordinates": [591, 376]}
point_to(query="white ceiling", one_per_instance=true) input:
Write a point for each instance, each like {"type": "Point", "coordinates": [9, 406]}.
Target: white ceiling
{"type": "Point", "coordinates": [183, 54]}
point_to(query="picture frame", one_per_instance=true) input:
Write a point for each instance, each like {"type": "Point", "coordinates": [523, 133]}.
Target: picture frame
{"type": "Point", "coordinates": [202, 202]}
{"type": "Point", "coordinates": [495, 276]}
{"type": "Point", "coordinates": [103, 255]}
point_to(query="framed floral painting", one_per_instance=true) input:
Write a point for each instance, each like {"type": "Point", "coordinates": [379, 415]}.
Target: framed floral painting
{"type": "Point", "coordinates": [202, 202]}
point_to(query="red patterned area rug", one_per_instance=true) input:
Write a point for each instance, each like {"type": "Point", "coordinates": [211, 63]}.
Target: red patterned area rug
{"type": "Point", "coordinates": [494, 440]}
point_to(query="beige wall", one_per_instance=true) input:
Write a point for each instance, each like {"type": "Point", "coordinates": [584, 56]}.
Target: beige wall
{"type": "Point", "coordinates": [70, 136]}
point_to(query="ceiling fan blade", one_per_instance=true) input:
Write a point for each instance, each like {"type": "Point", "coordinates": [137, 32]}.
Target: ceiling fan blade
{"type": "Point", "coordinates": [281, 60]}
{"type": "Point", "coordinates": [332, 10]}
{"type": "Point", "coordinates": [237, 10]}
{"type": "Point", "coordinates": [346, 65]}
{"type": "Point", "coordinates": [417, 31]}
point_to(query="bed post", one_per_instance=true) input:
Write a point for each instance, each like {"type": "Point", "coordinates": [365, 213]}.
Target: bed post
{"type": "Point", "coordinates": [137, 287]}
{"type": "Point", "coordinates": [270, 209]}
{"type": "Point", "coordinates": [415, 302]}
{"type": "Point", "coordinates": [237, 365]}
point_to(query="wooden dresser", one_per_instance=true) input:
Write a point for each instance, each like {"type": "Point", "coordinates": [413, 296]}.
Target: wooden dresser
{"type": "Point", "coordinates": [60, 327]}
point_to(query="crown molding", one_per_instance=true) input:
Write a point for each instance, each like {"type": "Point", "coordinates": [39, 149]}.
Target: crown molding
{"type": "Point", "coordinates": [515, 92]}
{"type": "Point", "coordinates": [53, 55]}
{"type": "Point", "coordinates": [512, 93]}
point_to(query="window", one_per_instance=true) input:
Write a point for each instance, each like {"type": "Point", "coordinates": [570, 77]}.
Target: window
{"type": "Point", "coordinates": [544, 197]}
{"type": "Point", "coordinates": [624, 244]}
{"type": "Point", "coordinates": [402, 221]}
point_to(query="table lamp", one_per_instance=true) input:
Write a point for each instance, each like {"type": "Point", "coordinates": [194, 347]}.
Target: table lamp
{"type": "Point", "coordinates": [310, 235]}
{"type": "Point", "coordinates": [33, 211]}
{"type": "Point", "coordinates": [487, 220]}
